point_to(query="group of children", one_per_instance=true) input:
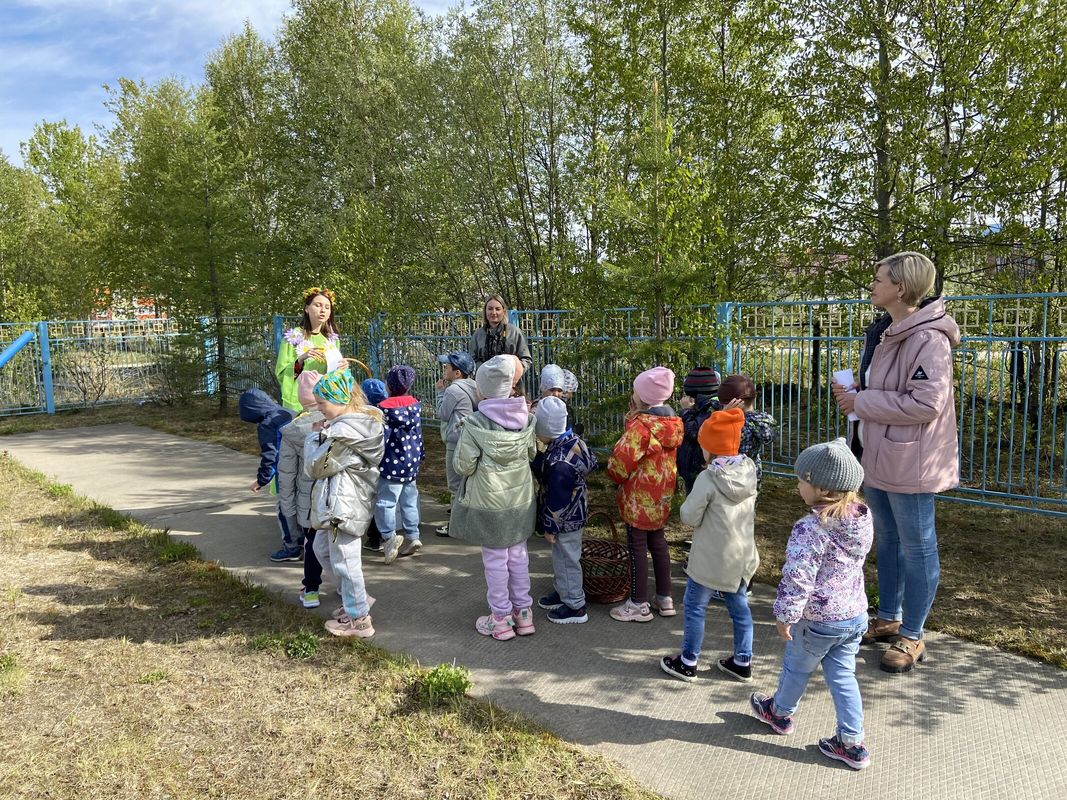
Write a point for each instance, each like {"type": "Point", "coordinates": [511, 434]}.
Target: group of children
{"type": "Point", "coordinates": [516, 467]}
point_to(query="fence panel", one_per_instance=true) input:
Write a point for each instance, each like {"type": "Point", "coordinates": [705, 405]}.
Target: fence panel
{"type": "Point", "coordinates": [20, 378]}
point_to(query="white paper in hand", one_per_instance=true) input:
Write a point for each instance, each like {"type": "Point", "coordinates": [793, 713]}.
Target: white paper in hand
{"type": "Point", "coordinates": [334, 359]}
{"type": "Point", "coordinates": [846, 378]}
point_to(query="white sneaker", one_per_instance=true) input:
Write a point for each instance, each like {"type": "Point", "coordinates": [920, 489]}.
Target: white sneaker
{"type": "Point", "coordinates": [664, 605]}
{"type": "Point", "coordinates": [409, 547]}
{"type": "Point", "coordinates": [632, 612]}
{"type": "Point", "coordinates": [392, 548]}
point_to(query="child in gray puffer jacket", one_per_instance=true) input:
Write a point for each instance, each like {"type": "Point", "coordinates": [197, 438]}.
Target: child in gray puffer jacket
{"type": "Point", "coordinates": [495, 506]}
{"type": "Point", "coordinates": [343, 461]}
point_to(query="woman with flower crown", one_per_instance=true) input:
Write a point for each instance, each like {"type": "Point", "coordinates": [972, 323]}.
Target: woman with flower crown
{"type": "Point", "coordinates": [306, 347]}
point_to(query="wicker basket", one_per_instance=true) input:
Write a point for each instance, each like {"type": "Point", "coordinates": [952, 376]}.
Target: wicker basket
{"type": "Point", "coordinates": [605, 565]}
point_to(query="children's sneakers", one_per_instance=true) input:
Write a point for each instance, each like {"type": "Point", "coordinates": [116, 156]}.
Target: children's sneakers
{"type": "Point", "coordinates": [391, 548]}
{"type": "Point", "coordinates": [409, 547]}
{"type": "Point", "coordinates": [499, 627]}
{"type": "Point", "coordinates": [309, 599]}
{"type": "Point", "coordinates": [565, 615]}
{"type": "Point", "coordinates": [550, 601]}
{"type": "Point", "coordinates": [344, 625]}
{"type": "Point", "coordinates": [738, 672]}
{"type": "Point", "coordinates": [678, 668]}
{"type": "Point", "coordinates": [288, 554]}
{"type": "Point", "coordinates": [856, 756]}
{"type": "Point", "coordinates": [664, 605]}
{"type": "Point", "coordinates": [632, 612]}
{"type": "Point", "coordinates": [524, 620]}
{"type": "Point", "coordinates": [763, 708]}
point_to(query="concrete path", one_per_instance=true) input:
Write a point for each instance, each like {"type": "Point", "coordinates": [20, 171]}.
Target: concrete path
{"type": "Point", "coordinates": [970, 723]}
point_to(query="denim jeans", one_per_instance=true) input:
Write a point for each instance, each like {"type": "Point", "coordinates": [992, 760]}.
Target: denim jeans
{"type": "Point", "coordinates": [393, 495]}
{"type": "Point", "coordinates": [346, 557]}
{"type": "Point", "coordinates": [908, 565]}
{"type": "Point", "coordinates": [834, 645]}
{"type": "Point", "coordinates": [697, 597]}
{"type": "Point", "coordinates": [292, 534]}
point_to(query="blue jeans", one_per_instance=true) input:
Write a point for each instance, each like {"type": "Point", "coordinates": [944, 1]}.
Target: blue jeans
{"type": "Point", "coordinates": [834, 645]}
{"type": "Point", "coordinates": [696, 599]}
{"type": "Point", "coordinates": [908, 566]}
{"type": "Point", "coordinates": [391, 495]}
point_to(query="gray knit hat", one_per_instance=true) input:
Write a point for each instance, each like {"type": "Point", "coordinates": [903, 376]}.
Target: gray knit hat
{"type": "Point", "coordinates": [830, 466]}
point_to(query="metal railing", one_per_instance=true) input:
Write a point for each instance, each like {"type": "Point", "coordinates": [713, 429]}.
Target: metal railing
{"type": "Point", "coordinates": [1010, 370]}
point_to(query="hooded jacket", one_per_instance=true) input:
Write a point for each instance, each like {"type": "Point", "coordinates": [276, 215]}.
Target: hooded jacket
{"type": "Point", "coordinates": [454, 403]}
{"type": "Point", "coordinates": [643, 464]}
{"type": "Point", "coordinates": [294, 485]}
{"type": "Point", "coordinates": [822, 579]}
{"type": "Point", "coordinates": [495, 505]}
{"type": "Point", "coordinates": [722, 508]}
{"type": "Point", "coordinates": [690, 457]}
{"type": "Point", "coordinates": [258, 407]}
{"type": "Point", "coordinates": [561, 471]}
{"type": "Point", "coordinates": [343, 461]}
{"type": "Point", "coordinates": [403, 438]}
{"type": "Point", "coordinates": [910, 440]}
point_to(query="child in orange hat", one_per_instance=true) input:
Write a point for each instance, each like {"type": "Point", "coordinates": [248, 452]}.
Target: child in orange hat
{"type": "Point", "coordinates": [722, 508]}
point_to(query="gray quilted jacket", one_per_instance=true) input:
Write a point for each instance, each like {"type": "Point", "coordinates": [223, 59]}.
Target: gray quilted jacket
{"type": "Point", "coordinates": [343, 463]}
{"type": "Point", "coordinates": [294, 485]}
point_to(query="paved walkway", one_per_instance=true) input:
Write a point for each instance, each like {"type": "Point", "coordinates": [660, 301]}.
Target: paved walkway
{"type": "Point", "coordinates": [970, 723]}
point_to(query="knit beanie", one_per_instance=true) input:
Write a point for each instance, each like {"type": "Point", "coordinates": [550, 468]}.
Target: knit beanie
{"type": "Point", "coordinates": [551, 415]}
{"type": "Point", "coordinates": [654, 386]}
{"type": "Point", "coordinates": [830, 466]}
{"type": "Point", "coordinates": [519, 370]}
{"type": "Point", "coordinates": [374, 390]}
{"type": "Point", "coordinates": [305, 388]}
{"type": "Point", "coordinates": [399, 379]}
{"type": "Point", "coordinates": [552, 377]}
{"type": "Point", "coordinates": [570, 382]}
{"type": "Point", "coordinates": [720, 434]}
{"type": "Point", "coordinates": [701, 381]}
{"type": "Point", "coordinates": [496, 377]}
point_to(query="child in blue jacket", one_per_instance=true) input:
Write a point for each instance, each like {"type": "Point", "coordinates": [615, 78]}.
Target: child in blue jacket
{"type": "Point", "coordinates": [400, 465]}
{"type": "Point", "coordinates": [259, 408]}
{"type": "Point", "coordinates": [563, 507]}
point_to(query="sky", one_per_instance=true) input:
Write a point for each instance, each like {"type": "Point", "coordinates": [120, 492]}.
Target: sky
{"type": "Point", "coordinates": [57, 55]}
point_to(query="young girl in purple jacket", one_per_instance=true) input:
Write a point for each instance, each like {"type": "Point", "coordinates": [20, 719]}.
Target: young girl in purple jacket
{"type": "Point", "coordinates": [821, 607]}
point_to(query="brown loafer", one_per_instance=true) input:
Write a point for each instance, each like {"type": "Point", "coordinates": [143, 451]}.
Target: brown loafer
{"type": "Point", "coordinates": [881, 630]}
{"type": "Point", "coordinates": [901, 657]}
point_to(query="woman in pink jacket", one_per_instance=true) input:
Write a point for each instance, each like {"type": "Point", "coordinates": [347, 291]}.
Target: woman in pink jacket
{"type": "Point", "coordinates": [908, 443]}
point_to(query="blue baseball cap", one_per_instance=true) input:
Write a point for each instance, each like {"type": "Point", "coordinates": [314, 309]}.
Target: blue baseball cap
{"type": "Point", "coordinates": [460, 360]}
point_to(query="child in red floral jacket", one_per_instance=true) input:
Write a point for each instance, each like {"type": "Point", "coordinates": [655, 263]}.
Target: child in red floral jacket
{"type": "Point", "coordinates": [643, 463]}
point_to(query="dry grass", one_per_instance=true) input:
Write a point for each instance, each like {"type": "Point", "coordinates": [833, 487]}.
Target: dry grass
{"type": "Point", "coordinates": [1001, 571]}
{"type": "Point", "coordinates": [130, 670]}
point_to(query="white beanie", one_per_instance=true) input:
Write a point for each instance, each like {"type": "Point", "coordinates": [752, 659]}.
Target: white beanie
{"type": "Point", "coordinates": [552, 377]}
{"type": "Point", "coordinates": [551, 414]}
{"type": "Point", "coordinates": [570, 383]}
{"type": "Point", "coordinates": [496, 377]}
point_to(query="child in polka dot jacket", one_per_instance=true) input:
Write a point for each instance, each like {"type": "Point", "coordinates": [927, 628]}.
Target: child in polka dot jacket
{"type": "Point", "coordinates": [400, 465]}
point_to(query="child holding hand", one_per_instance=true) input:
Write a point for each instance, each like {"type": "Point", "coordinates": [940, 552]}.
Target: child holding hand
{"type": "Point", "coordinates": [821, 607]}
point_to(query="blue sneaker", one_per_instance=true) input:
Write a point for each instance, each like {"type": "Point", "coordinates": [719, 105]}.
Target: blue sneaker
{"type": "Point", "coordinates": [856, 756]}
{"type": "Point", "coordinates": [763, 708]}
{"type": "Point", "coordinates": [565, 615]}
{"type": "Point", "coordinates": [288, 554]}
{"type": "Point", "coordinates": [550, 602]}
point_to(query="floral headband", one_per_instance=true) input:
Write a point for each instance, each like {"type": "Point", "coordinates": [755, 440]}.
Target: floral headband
{"type": "Point", "coordinates": [314, 291]}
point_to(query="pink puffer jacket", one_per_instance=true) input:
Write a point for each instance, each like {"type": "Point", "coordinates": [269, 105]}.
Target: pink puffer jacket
{"type": "Point", "coordinates": [910, 441]}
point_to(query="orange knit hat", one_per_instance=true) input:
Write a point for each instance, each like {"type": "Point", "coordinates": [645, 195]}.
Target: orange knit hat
{"type": "Point", "coordinates": [720, 434]}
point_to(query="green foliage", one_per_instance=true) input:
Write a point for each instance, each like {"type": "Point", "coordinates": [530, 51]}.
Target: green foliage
{"type": "Point", "coordinates": [172, 552]}
{"type": "Point", "coordinates": [444, 685]}
{"type": "Point", "coordinates": [156, 676]}
{"type": "Point", "coordinates": [301, 645]}
{"type": "Point", "coordinates": [57, 490]}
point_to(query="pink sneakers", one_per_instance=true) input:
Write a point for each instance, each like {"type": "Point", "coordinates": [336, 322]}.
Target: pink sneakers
{"type": "Point", "coordinates": [499, 627]}
{"type": "Point", "coordinates": [632, 612]}
{"type": "Point", "coordinates": [348, 627]}
{"type": "Point", "coordinates": [664, 605]}
{"type": "Point", "coordinates": [524, 620]}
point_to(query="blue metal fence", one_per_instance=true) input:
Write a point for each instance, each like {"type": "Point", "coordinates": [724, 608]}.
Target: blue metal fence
{"type": "Point", "coordinates": [1011, 376]}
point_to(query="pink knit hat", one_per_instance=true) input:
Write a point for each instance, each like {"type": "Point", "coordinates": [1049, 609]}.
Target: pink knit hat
{"type": "Point", "coordinates": [654, 386]}
{"type": "Point", "coordinates": [305, 384]}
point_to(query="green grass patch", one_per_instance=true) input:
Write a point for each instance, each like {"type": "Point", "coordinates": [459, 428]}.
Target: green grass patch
{"type": "Point", "coordinates": [158, 676]}
{"type": "Point", "coordinates": [444, 685]}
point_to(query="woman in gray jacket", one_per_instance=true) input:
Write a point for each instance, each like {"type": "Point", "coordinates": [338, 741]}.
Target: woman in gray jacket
{"type": "Point", "coordinates": [496, 337]}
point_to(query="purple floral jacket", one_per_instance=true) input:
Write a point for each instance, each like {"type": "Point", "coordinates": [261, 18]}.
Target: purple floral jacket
{"type": "Point", "coordinates": [822, 579]}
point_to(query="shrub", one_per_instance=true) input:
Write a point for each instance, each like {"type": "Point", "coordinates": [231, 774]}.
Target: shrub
{"type": "Point", "coordinates": [445, 684]}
